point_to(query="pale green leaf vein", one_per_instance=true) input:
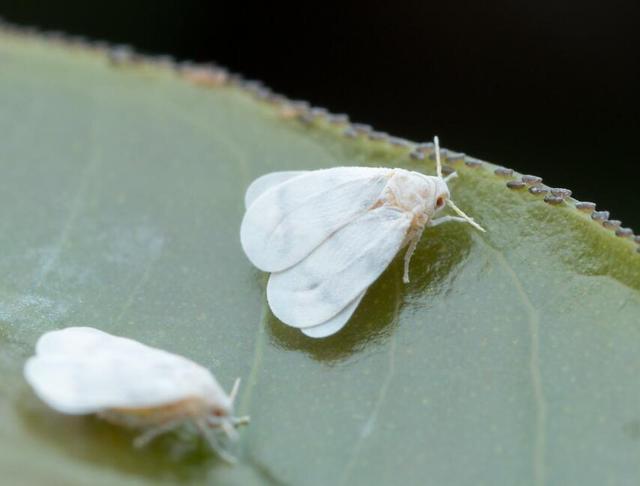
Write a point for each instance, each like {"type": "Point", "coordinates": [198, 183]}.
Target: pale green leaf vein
{"type": "Point", "coordinates": [146, 274]}
{"type": "Point", "coordinates": [258, 353]}
{"type": "Point", "coordinates": [539, 446]}
{"type": "Point", "coordinates": [72, 217]}
{"type": "Point", "coordinates": [369, 424]}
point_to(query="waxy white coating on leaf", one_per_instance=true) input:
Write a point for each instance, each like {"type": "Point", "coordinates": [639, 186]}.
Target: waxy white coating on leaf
{"type": "Point", "coordinates": [81, 370]}
{"type": "Point", "coordinates": [327, 235]}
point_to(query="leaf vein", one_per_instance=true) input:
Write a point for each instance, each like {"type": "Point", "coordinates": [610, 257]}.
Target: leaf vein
{"type": "Point", "coordinates": [539, 446]}
{"type": "Point", "coordinates": [367, 428]}
{"type": "Point", "coordinates": [137, 288]}
{"type": "Point", "coordinates": [70, 222]}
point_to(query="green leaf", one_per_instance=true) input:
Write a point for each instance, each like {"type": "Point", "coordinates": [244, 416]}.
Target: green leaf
{"type": "Point", "coordinates": [511, 357]}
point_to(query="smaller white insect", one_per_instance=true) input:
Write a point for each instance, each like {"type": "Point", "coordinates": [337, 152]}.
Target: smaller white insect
{"type": "Point", "coordinates": [81, 370]}
{"type": "Point", "coordinates": [327, 235]}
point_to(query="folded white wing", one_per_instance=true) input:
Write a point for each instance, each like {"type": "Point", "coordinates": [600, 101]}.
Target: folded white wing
{"type": "Point", "coordinates": [83, 341]}
{"type": "Point", "coordinates": [286, 223]}
{"type": "Point", "coordinates": [76, 371]}
{"type": "Point", "coordinates": [334, 324]}
{"type": "Point", "coordinates": [339, 270]}
{"type": "Point", "coordinates": [267, 181]}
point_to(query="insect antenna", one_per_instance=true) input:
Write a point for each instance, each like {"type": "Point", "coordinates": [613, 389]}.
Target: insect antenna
{"type": "Point", "coordinates": [237, 421]}
{"type": "Point", "coordinates": [453, 175]}
{"type": "Point", "coordinates": [436, 143]}
{"type": "Point", "coordinates": [234, 390]}
{"type": "Point", "coordinates": [461, 213]}
{"type": "Point", "coordinates": [452, 205]}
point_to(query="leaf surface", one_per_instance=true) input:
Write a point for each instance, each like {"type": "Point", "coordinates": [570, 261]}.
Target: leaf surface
{"type": "Point", "coordinates": [511, 357]}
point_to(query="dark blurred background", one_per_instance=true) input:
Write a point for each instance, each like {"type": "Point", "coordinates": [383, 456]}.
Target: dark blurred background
{"type": "Point", "coordinates": [546, 87]}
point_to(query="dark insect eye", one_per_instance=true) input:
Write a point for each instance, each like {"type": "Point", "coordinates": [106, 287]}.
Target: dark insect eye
{"type": "Point", "coordinates": [440, 202]}
{"type": "Point", "coordinates": [217, 412]}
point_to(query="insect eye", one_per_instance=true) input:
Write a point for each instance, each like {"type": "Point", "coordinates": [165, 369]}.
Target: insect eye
{"type": "Point", "coordinates": [218, 412]}
{"type": "Point", "coordinates": [440, 202]}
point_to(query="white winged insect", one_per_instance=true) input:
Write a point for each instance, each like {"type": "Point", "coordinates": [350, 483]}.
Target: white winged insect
{"type": "Point", "coordinates": [81, 370]}
{"type": "Point", "coordinates": [327, 235]}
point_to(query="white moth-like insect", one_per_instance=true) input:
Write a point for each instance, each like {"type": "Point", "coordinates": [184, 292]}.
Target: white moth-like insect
{"type": "Point", "coordinates": [327, 235]}
{"type": "Point", "coordinates": [81, 370]}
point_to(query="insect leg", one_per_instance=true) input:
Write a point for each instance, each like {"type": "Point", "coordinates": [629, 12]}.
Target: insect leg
{"type": "Point", "coordinates": [407, 256]}
{"type": "Point", "coordinates": [229, 429]}
{"type": "Point", "coordinates": [407, 259]}
{"type": "Point", "coordinates": [228, 424]}
{"type": "Point", "coordinates": [148, 435]}
{"type": "Point", "coordinates": [238, 421]}
{"type": "Point", "coordinates": [213, 441]}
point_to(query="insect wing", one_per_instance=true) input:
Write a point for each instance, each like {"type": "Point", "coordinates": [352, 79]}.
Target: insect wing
{"type": "Point", "coordinates": [83, 341]}
{"type": "Point", "coordinates": [339, 270]}
{"type": "Point", "coordinates": [119, 375]}
{"type": "Point", "coordinates": [286, 223]}
{"type": "Point", "coordinates": [334, 324]}
{"type": "Point", "coordinates": [267, 181]}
